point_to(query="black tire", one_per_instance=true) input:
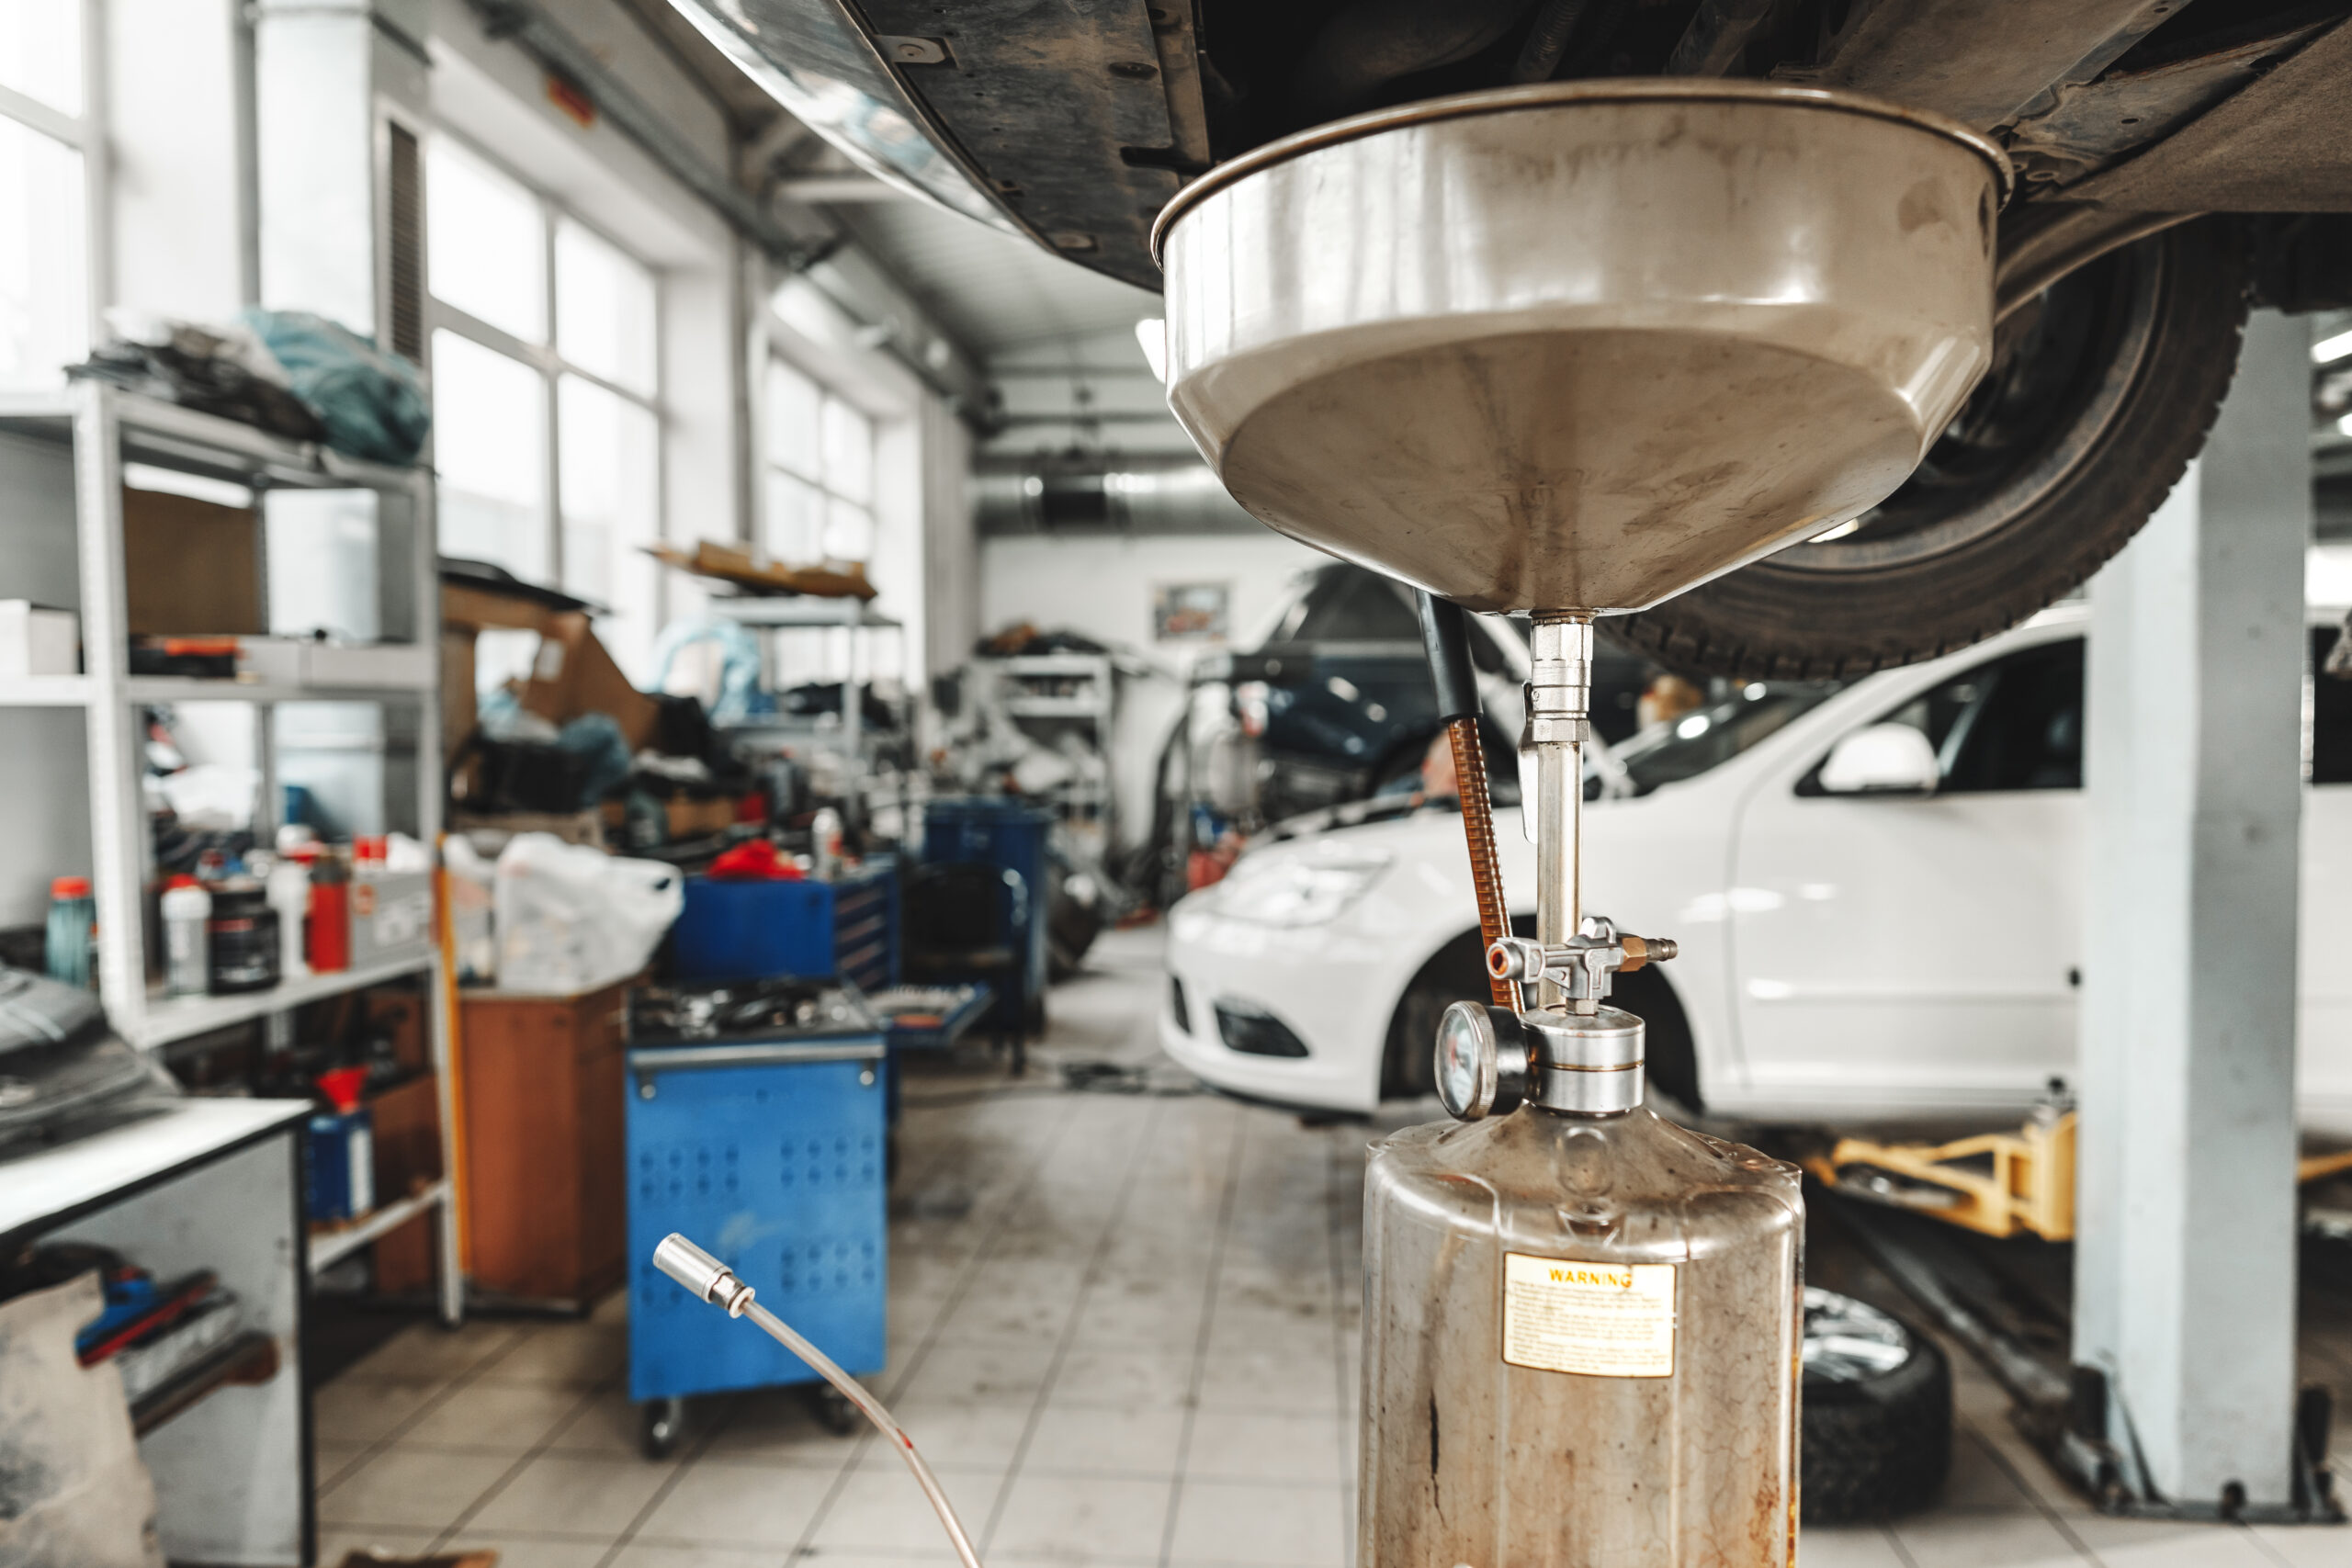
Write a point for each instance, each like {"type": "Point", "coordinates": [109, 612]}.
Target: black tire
{"type": "Point", "coordinates": [1877, 1439]}
{"type": "Point", "coordinates": [660, 1422]}
{"type": "Point", "coordinates": [1456, 973]}
{"type": "Point", "coordinates": [833, 1409]}
{"type": "Point", "coordinates": [2101, 390]}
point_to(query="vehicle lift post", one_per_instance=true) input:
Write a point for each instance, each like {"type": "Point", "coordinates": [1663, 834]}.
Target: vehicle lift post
{"type": "Point", "coordinates": [2185, 1264]}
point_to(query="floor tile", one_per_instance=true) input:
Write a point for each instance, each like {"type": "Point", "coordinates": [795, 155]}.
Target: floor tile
{"type": "Point", "coordinates": [1089, 1439]}
{"type": "Point", "coordinates": [337, 1544]}
{"type": "Point", "coordinates": [952, 1438]}
{"type": "Point", "coordinates": [648, 1554]}
{"type": "Point", "coordinates": [1854, 1546]}
{"type": "Point", "coordinates": [1979, 1482]}
{"type": "Point", "coordinates": [738, 1506]}
{"type": "Point", "coordinates": [769, 1426]}
{"type": "Point", "coordinates": [415, 1489]}
{"type": "Point", "coordinates": [501, 1418]}
{"type": "Point", "coordinates": [1254, 1380]}
{"type": "Point", "coordinates": [578, 1354]}
{"type": "Point", "coordinates": [1221, 1522]}
{"type": "Point", "coordinates": [1058, 1516]}
{"type": "Point", "coordinates": [533, 1552]}
{"type": "Point", "coordinates": [348, 1412]}
{"type": "Point", "coordinates": [2160, 1544]}
{"type": "Point", "coordinates": [430, 1353]}
{"type": "Point", "coordinates": [1978, 1540]}
{"type": "Point", "coordinates": [1123, 1379]}
{"type": "Point", "coordinates": [1234, 1445]}
{"type": "Point", "coordinates": [880, 1509]}
{"type": "Point", "coordinates": [573, 1493]}
{"type": "Point", "coordinates": [2308, 1546]}
{"type": "Point", "coordinates": [978, 1374]}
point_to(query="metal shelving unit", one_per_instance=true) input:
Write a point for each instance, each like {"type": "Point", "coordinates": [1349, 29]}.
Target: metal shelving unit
{"type": "Point", "coordinates": [105, 428]}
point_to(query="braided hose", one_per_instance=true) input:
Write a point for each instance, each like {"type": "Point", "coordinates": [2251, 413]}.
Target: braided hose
{"type": "Point", "coordinates": [1478, 831]}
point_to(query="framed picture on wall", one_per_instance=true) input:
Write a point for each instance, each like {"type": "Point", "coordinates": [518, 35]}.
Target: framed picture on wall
{"type": "Point", "coordinates": [1190, 611]}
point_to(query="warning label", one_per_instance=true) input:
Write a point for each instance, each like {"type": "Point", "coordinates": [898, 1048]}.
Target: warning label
{"type": "Point", "coordinates": [1610, 1320]}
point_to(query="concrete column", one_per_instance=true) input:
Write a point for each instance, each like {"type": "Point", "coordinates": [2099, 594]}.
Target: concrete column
{"type": "Point", "coordinates": [326, 72]}
{"type": "Point", "coordinates": [2185, 1261]}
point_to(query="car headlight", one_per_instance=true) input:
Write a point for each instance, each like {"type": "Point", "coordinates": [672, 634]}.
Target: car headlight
{"type": "Point", "coordinates": [1296, 890]}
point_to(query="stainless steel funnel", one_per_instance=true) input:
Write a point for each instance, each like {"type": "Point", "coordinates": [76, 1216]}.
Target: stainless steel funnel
{"type": "Point", "coordinates": [1585, 345]}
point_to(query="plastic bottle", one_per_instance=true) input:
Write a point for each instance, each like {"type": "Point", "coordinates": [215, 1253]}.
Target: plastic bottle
{"type": "Point", "coordinates": [72, 947]}
{"type": "Point", "coordinates": [187, 906]}
{"type": "Point", "coordinates": [288, 888]}
{"type": "Point", "coordinates": [328, 946]}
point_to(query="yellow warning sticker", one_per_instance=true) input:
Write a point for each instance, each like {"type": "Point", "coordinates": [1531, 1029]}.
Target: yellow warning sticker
{"type": "Point", "coordinates": [1610, 1320]}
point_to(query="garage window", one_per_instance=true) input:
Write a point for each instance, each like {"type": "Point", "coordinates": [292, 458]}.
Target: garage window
{"type": "Point", "coordinates": [44, 247]}
{"type": "Point", "coordinates": [548, 420]}
{"type": "Point", "coordinates": [819, 491]}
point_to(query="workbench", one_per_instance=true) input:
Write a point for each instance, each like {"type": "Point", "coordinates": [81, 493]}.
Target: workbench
{"type": "Point", "coordinates": [179, 1186]}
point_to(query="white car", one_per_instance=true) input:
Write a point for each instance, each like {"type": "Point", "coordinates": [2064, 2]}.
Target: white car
{"type": "Point", "coordinates": [1846, 956]}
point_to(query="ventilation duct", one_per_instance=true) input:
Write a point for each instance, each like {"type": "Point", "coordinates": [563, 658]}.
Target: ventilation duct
{"type": "Point", "coordinates": [1105, 493]}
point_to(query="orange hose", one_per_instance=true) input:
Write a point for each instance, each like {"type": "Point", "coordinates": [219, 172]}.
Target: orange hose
{"type": "Point", "coordinates": [1478, 831]}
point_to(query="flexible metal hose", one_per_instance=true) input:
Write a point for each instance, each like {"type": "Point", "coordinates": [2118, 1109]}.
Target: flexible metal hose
{"type": "Point", "coordinates": [1478, 832]}
{"type": "Point", "coordinates": [708, 1280]}
{"type": "Point", "coordinates": [1547, 40]}
{"type": "Point", "coordinates": [783, 1334]}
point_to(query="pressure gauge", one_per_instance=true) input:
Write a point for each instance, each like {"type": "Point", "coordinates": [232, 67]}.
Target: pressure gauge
{"type": "Point", "coordinates": [1482, 1061]}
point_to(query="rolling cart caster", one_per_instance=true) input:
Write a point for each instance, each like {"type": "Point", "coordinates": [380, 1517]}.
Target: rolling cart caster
{"type": "Point", "coordinates": [660, 1422]}
{"type": "Point", "coordinates": [833, 1411]}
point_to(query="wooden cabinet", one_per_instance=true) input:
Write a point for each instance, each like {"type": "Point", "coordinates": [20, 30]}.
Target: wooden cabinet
{"type": "Point", "coordinates": [542, 1081]}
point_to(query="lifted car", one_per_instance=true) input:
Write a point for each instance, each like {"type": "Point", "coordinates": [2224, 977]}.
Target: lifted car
{"type": "Point", "coordinates": [2176, 160]}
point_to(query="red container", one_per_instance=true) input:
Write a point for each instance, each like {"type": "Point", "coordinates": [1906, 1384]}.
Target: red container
{"type": "Point", "coordinates": [327, 932]}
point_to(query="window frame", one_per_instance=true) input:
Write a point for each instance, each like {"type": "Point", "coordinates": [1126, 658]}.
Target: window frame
{"type": "Point", "coordinates": [546, 360]}
{"type": "Point", "coordinates": [828, 393]}
{"type": "Point", "coordinates": [86, 133]}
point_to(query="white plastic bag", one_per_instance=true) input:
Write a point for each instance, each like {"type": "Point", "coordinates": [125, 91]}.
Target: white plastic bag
{"type": "Point", "coordinates": [572, 919]}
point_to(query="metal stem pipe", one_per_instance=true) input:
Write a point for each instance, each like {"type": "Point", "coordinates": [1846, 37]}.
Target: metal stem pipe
{"type": "Point", "coordinates": [1559, 699]}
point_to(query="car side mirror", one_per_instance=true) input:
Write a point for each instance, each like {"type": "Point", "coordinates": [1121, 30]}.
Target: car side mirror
{"type": "Point", "coordinates": [1883, 759]}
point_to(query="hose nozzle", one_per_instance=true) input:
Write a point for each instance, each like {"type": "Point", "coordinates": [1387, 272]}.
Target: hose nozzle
{"type": "Point", "coordinates": [705, 1277]}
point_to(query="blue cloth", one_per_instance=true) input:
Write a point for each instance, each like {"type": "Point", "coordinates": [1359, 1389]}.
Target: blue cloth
{"type": "Point", "coordinates": [371, 402]}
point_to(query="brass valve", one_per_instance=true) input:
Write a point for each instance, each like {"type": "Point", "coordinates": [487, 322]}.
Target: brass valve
{"type": "Point", "coordinates": [1583, 966]}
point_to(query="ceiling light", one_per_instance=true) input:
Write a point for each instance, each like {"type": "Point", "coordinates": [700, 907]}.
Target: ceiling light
{"type": "Point", "coordinates": [1152, 333]}
{"type": "Point", "coordinates": [2329, 349]}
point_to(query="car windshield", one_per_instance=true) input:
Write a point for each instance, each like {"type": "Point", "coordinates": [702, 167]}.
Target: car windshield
{"type": "Point", "coordinates": [1708, 737]}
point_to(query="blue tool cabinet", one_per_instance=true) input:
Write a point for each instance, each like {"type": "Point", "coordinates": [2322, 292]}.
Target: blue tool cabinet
{"type": "Point", "coordinates": [749, 931]}
{"type": "Point", "coordinates": [1005, 833]}
{"type": "Point", "coordinates": [772, 1156]}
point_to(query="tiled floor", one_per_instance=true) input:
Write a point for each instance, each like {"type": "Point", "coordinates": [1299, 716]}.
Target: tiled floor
{"type": "Point", "coordinates": [1123, 1329]}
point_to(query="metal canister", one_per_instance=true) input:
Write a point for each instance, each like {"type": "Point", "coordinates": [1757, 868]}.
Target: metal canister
{"type": "Point", "coordinates": [242, 939]}
{"type": "Point", "coordinates": [1582, 1334]}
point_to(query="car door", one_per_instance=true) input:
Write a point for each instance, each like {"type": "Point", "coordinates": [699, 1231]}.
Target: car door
{"type": "Point", "coordinates": [2325, 1059]}
{"type": "Point", "coordinates": [1916, 953]}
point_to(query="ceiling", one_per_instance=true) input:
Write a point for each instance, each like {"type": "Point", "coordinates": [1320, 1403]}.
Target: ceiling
{"type": "Point", "coordinates": [992, 291]}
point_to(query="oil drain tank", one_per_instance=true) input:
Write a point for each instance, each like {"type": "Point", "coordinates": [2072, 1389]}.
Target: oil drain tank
{"type": "Point", "coordinates": [1582, 345]}
{"type": "Point", "coordinates": [1573, 349]}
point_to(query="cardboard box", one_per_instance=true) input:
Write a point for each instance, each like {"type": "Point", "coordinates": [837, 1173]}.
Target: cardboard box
{"type": "Point", "coordinates": [190, 566]}
{"type": "Point", "coordinates": [574, 675]}
{"type": "Point", "coordinates": [306, 661]}
{"type": "Point", "coordinates": [38, 640]}
{"type": "Point", "coordinates": [391, 917]}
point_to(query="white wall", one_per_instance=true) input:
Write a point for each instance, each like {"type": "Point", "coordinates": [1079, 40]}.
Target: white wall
{"type": "Point", "coordinates": [176, 185]}
{"type": "Point", "coordinates": [1102, 587]}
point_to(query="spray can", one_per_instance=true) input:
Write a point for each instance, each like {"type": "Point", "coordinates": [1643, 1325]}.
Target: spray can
{"type": "Point", "coordinates": [186, 907]}
{"type": "Point", "coordinates": [825, 844]}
